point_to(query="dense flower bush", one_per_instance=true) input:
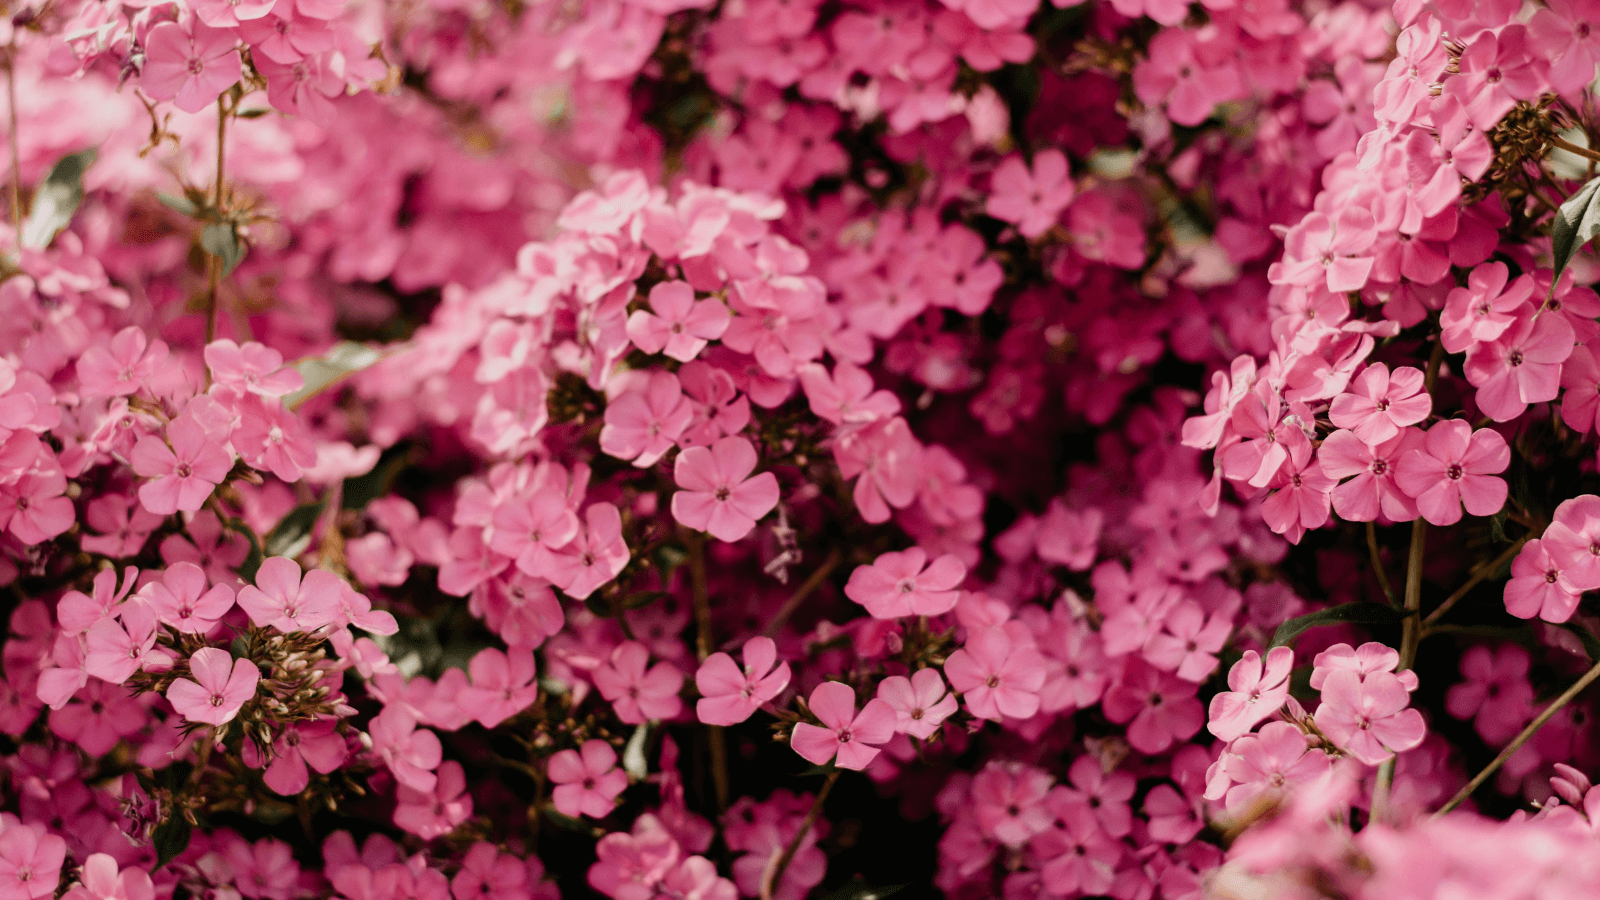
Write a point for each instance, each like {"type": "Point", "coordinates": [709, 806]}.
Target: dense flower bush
{"type": "Point", "coordinates": [775, 448]}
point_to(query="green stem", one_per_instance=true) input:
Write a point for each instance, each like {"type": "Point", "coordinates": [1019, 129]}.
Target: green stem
{"type": "Point", "coordinates": [221, 194]}
{"type": "Point", "coordinates": [1377, 562]}
{"type": "Point", "coordinates": [1574, 149]}
{"type": "Point", "coordinates": [702, 617]}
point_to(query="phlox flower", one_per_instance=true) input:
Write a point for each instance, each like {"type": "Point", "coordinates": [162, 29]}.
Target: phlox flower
{"type": "Point", "coordinates": [1096, 794]}
{"type": "Point", "coordinates": [920, 703]}
{"type": "Point", "coordinates": [1496, 696]}
{"type": "Point", "coordinates": [100, 715]}
{"type": "Point", "coordinates": [1031, 200]}
{"type": "Point", "coordinates": [123, 367]}
{"type": "Point", "coordinates": [1372, 492]}
{"type": "Point", "coordinates": [303, 747]}
{"type": "Point", "coordinates": [1520, 367]}
{"type": "Point", "coordinates": [220, 687]}
{"type": "Point", "coordinates": [638, 691]}
{"type": "Point", "coordinates": [1455, 467]}
{"type": "Point", "coordinates": [1573, 541]}
{"type": "Point", "coordinates": [719, 495]}
{"type": "Point", "coordinates": [643, 424]}
{"type": "Point", "coordinates": [1370, 718]}
{"type": "Point", "coordinates": [849, 738]}
{"type": "Point", "coordinates": [411, 753]}
{"type": "Point", "coordinates": [503, 684]}
{"type": "Point", "coordinates": [593, 557]}
{"type": "Point", "coordinates": [120, 645]}
{"type": "Point", "coordinates": [1272, 762]}
{"type": "Point", "coordinates": [431, 814]}
{"type": "Point", "coordinates": [1378, 403]}
{"type": "Point", "coordinates": [182, 600]}
{"type": "Point", "coordinates": [1009, 802]}
{"type": "Point", "coordinates": [1484, 309]}
{"type": "Point", "coordinates": [1159, 709]}
{"type": "Point", "coordinates": [905, 584]}
{"type": "Point", "coordinates": [33, 508]}
{"type": "Point", "coordinates": [30, 860]}
{"type": "Point", "coordinates": [729, 694]}
{"type": "Point", "coordinates": [587, 780]}
{"type": "Point", "coordinates": [1539, 586]}
{"type": "Point", "coordinates": [996, 676]}
{"type": "Point", "coordinates": [1328, 251]}
{"type": "Point", "coordinates": [252, 367]}
{"type": "Point", "coordinates": [184, 474]}
{"type": "Point", "coordinates": [847, 395]}
{"type": "Point", "coordinates": [1256, 690]}
{"type": "Point", "coordinates": [101, 880]}
{"type": "Point", "coordinates": [190, 68]}
{"type": "Point", "coordinates": [282, 599]}
{"type": "Point", "coordinates": [679, 325]}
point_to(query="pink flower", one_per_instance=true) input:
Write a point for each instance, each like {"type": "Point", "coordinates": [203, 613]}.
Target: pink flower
{"type": "Point", "coordinates": [219, 690]}
{"type": "Point", "coordinates": [1520, 367]}
{"type": "Point", "coordinates": [251, 367]}
{"type": "Point", "coordinates": [272, 438]}
{"type": "Point", "coordinates": [503, 684]}
{"type": "Point", "coordinates": [34, 509]}
{"type": "Point", "coordinates": [180, 599]}
{"type": "Point", "coordinates": [587, 781]}
{"type": "Point", "coordinates": [1329, 252]}
{"type": "Point", "coordinates": [1363, 660]}
{"type": "Point", "coordinates": [1580, 375]}
{"type": "Point", "coordinates": [30, 861]}
{"type": "Point", "coordinates": [643, 424]}
{"type": "Point", "coordinates": [1372, 492]}
{"type": "Point", "coordinates": [190, 69]}
{"type": "Point", "coordinates": [592, 558]}
{"type": "Point", "coordinates": [1189, 641]}
{"type": "Point", "coordinates": [302, 747]}
{"type": "Point", "coordinates": [681, 325]}
{"type": "Point", "coordinates": [1380, 403]}
{"type": "Point", "coordinates": [847, 397]}
{"type": "Point", "coordinates": [1009, 802]}
{"type": "Point", "coordinates": [718, 495]}
{"type": "Point", "coordinates": [1484, 309]}
{"type": "Point", "coordinates": [1369, 717]}
{"type": "Point", "coordinates": [410, 753]}
{"type": "Point", "coordinates": [1496, 695]}
{"type": "Point", "coordinates": [98, 717]}
{"type": "Point", "coordinates": [1455, 467]}
{"type": "Point", "coordinates": [638, 694]}
{"type": "Point", "coordinates": [122, 369]}
{"type": "Point", "coordinates": [1032, 201]}
{"type": "Point", "coordinates": [183, 475]}
{"type": "Point", "coordinates": [533, 528]}
{"type": "Point", "coordinates": [1301, 501]}
{"type": "Point", "coordinates": [853, 738]}
{"type": "Point", "coordinates": [904, 584]}
{"type": "Point", "coordinates": [1276, 760]}
{"type": "Point", "coordinates": [1096, 794]}
{"type": "Point", "coordinates": [995, 677]}
{"type": "Point", "coordinates": [123, 523]}
{"type": "Point", "coordinates": [1159, 709]}
{"type": "Point", "coordinates": [729, 694]}
{"type": "Point", "coordinates": [920, 703]}
{"type": "Point", "coordinates": [1539, 586]}
{"type": "Point", "coordinates": [100, 880]}
{"type": "Point", "coordinates": [431, 814]}
{"type": "Point", "coordinates": [122, 645]}
{"type": "Point", "coordinates": [281, 599]}
{"type": "Point", "coordinates": [1573, 541]}
{"type": "Point", "coordinates": [228, 13]}
{"type": "Point", "coordinates": [1256, 690]}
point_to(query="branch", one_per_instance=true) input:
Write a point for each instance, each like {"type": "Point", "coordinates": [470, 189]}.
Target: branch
{"type": "Point", "coordinates": [1377, 562]}
{"type": "Point", "coordinates": [16, 151]}
{"type": "Point", "coordinates": [1574, 149]}
{"type": "Point", "coordinates": [812, 582]}
{"type": "Point", "coordinates": [215, 264]}
{"type": "Point", "coordinates": [1517, 742]}
{"type": "Point", "coordinates": [1483, 572]}
{"type": "Point", "coordinates": [702, 617]}
{"type": "Point", "coordinates": [773, 876]}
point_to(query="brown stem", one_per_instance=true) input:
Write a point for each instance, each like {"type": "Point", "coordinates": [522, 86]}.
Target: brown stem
{"type": "Point", "coordinates": [1517, 742]}
{"type": "Point", "coordinates": [16, 149]}
{"type": "Point", "coordinates": [812, 582]}
{"type": "Point", "coordinates": [702, 617]}
{"type": "Point", "coordinates": [1574, 149]}
{"type": "Point", "coordinates": [216, 263]}
{"type": "Point", "coordinates": [773, 877]}
{"type": "Point", "coordinates": [1483, 572]}
{"type": "Point", "coordinates": [1410, 635]}
{"type": "Point", "coordinates": [1377, 562]}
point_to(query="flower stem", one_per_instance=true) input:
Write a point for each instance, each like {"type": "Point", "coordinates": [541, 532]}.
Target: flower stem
{"type": "Point", "coordinates": [1517, 742]}
{"type": "Point", "coordinates": [702, 617]}
{"type": "Point", "coordinates": [812, 582]}
{"type": "Point", "coordinates": [1574, 149]}
{"type": "Point", "coordinates": [1410, 635]}
{"type": "Point", "coordinates": [1377, 562]}
{"type": "Point", "coordinates": [774, 874]}
{"type": "Point", "coordinates": [1483, 572]}
{"type": "Point", "coordinates": [215, 266]}
{"type": "Point", "coordinates": [16, 148]}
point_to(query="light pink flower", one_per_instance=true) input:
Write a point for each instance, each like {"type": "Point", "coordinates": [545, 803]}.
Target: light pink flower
{"type": "Point", "coordinates": [593, 557]}
{"type": "Point", "coordinates": [1159, 709]}
{"type": "Point", "coordinates": [1270, 763]}
{"type": "Point", "coordinates": [638, 693]}
{"type": "Point", "coordinates": [1520, 367]}
{"type": "Point", "coordinates": [995, 676]}
{"type": "Point", "coordinates": [1379, 403]}
{"type": "Point", "coordinates": [30, 860]}
{"type": "Point", "coordinates": [853, 738]}
{"type": "Point", "coordinates": [503, 684]}
{"type": "Point", "coordinates": [1372, 492]}
{"type": "Point", "coordinates": [281, 599]}
{"type": "Point", "coordinates": [719, 495]}
{"type": "Point", "coordinates": [1496, 696]}
{"type": "Point", "coordinates": [220, 688]}
{"type": "Point", "coordinates": [252, 367]}
{"type": "Point", "coordinates": [905, 584]}
{"type": "Point", "coordinates": [183, 475]}
{"type": "Point", "coordinates": [411, 753]}
{"type": "Point", "coordinates": [680, 325]}
{"type": "Point", "coordinates": [228, 13]}
{"type": "Point", "coordinates": [1539, 586]}
{"type": "Point", "coordinates": [1455, 467]}
{"type": "Point", "coordinates": [920, 703]}
{"type": "Point", "coordinates": [122, 368]}
{"type": "Point", "coordinates": [302, 747]}
{"type": "Point", "coordinates": [643, 424]}
{"type": "Point", "coordinates": [1370, 718]}
{"type": "Point", "coordinates": [1573, 541]}
{"type": "Point", "coordinates": [119, 646]}
{"type": "Point", "coordinates": [1484, 309]}
{"type": "Point", "coordinates": [181, 599]}
{"type": "Point", "coordinates": [1031, 200]}
{"type": "Point", "coordinates": [1256, 690]}
{"type": "Point", "coordinates": [431, 814]}
{"type": "Point", "coordinates": [587, 780]}
{"type": "Point", "coordinates": [190, 69]}
{"type": "Point", "coordinates": [729, 694]}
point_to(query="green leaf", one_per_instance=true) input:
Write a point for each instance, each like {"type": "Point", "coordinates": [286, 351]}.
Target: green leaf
{"type": "Point", "coordinates": [858, 889]}
{"type": "Point", "coordinates": [171, 838]}
{"type": "Point", "coordinates": [1576, 222]}
{"type": "Point", "coordinates": [255, 113]}
{"type": "Point", "coordinates": [179, 204]}
{"type": "Point", "coordinates": [641, 599]}
{"type": "Point", "coordinates": [633, 760]}
{"type": "Point", "coordinates": [252, 560]}
{"type": "Point", "coordinates": [321, 372]}
{"type": "Point", "coordinates": [57, 199]}
{"type": "Point", "coordinates": [1591, 644]}
{"type": "Point", "coordinates": [1359, 613]}
{"type": "Point", "coordinates": [292, 536]}
{"type": "Point", "coordinates": [221, 240]}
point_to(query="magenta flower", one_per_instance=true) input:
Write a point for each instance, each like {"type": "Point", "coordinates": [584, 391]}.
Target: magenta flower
{"type": "Point", "coordinates": [1379, 403]}
{"type": "Point", "coordinates": [1301, 501]}
{"type": "Point", "coordinates": [219, 690]}
{"type": "Point", "coordinates": [644, 423]}
{"type": "Point", "coordinates": [1270, 763]}
{"type": "Point", "coordinates": [1328, 251]}
{"type": "Point", "coordinates": [1496, 695]}
{"type": "Point", "coordinates": [1573, 541]}
{"type": "Point", "coordinates": [1370, 718]}
{"type": "Point", "coordinates": [122, 368]}
{"type": "Point", "coordinates": [638, 693]}
{"type": "Point", "coordinates": [252, 367]}
{"type": "Point", "coordinates": [1159, 709]}
{"type": "Point", "coordinates": [1372, 492]}
{"type": "Point", "coordinates": [995, 676]}
{"type": "Point", "coordinates": [1484, 309]}
{"type": "Point", "coordinates": [905, 584]}
{"type": "Point", "coordinates": [302, 747]}
{"type": "Point", "coordinates": [119, 646]}
{"type": "Point", "coordinates": [680, 325]}
{"type": "Point", "coordinates": [719, 495]}
{"type": "Point", "coordinates": [281, 599]}
{"type": "Point", "coordinates": [34, 509]}
{"type": "Point", "coordinates": [1009, 801]}
{"type": "Point", "coordinates": [593, 557]}
{"type": "Point", "coordinates": [431, 814]}
{"type": "Point", "coordinates": [410, 753]}
{"type": "Point", "coordinates": [1539, 585]}
{"type": "Point", "coordinates": [100, 880]}
{"type": "Point", "coordinates": [846, 397]}
{"type": "Point", "coordinates": [192, 70]}
{"type": "Point", "coordinates": [1032, 201]}
{"type": "Point", "coordinates": [180, 599]}
{"type": "Point", "coordinates": [1256, 690]}
{"type": "Point", "coordinates": [1520, 367]}
{"type": "Point", "coordinates": [503, 684]}
{"type": "Point", "coordinates": [184, 474]}
{"type": "Point", "coordinates": [1455, 467]}
{"type": "Point", "coordinates": [30, 861]}
{"type": "Point", "coordinates": [729, 694]}
{"type": "Point", "coordinates": [587, 780]}
{"type": "Point", "coordinates": [920, 703]}
{"type": "Point", "coordinates": [853, 738]}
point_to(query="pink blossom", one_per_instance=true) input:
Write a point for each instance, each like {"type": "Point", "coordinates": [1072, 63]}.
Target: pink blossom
{"type": "Point", "coordinates": [34, 509]}
{"type": "Point", "coordinates": [181, 599]}
{"type": "Point", "coordinates": [680, 326]}
{"type": "Point", "coordinates": [719, 495]}
{"type": "Point", "coordinates": [1484, 309]}
{"type": "Point", "coordinates": [1520, 367]}
{"type": "Point", "coordinates": [854, 738]}
{"type": "Point", "coordinates": [434, 813]}
{"type": "Point", "coordinates": [905, 584]}
{"type": "Point", "coordinates": [1370, 718]}
{"type": "Point", "coordinates": [1256, 690]}
{"type": "Point", "coordinates": [1539, 586]}
{"type": "Point", "coordinates": [920, 703]}
{"type": "Point", "coordinates": [120, 645]}
{"type": "Point", "coordinates": [301, 748]}
{"type": "Point", "coordinates": [1580, 376]}
{"type": "Point", "coordinates": [191, 69]}
{"type": "Point", "coordinates": [30, 861]}
{"type": "Point", "coordinates": [1009, 802]}
{"type": "Point", "coordinates": [220, 688]}
{"type": "Point", "coordinates": [593, 557]}
{"type": "Point", "coordinates": [729, 694]}
{"type": "Point", "coordinates": [1328, 251]}
{"type": "Point", "coordinates": [1158, 708]}
{"type": "Point", "coordinates": [636, 692]}
{"type": "Point", "coordinates": [1372, 492]}
{"type": "Point", "coordinates": [587, 780]}
{"type": "Point", "coordinates": [412, 754]}
{"type": "Point", "coordinates": [995, 676]}
{"type": "Point", "coordinates": [1270, 763]}
{"type": "Point", "coordinates": [124, 525]}
{"type": "Point", "coordinates": [1573, 541]}
{"type": "Point", "coordinates": [1096, 794]}
{"type": "Point", "coordinates": [1032, 201]}
{"type": "Point", "coordinates": [533, 528]}
{"type": "Point", "coordinates": [642, 425]}
{"type": "Point", "coordinates": [227, 13]}
{"type": "Point", "coordinates": [272, 438]}
{"type": "Point", "coordinates": [100, 880]}
{"type": "Point", "coordinates": [124, 367]}
{"type": "Point", "coordinates": [503, 684]}
{"type": "Point", "coordinates": [1380, 403]}
{"type": "Point", "coordinates": [1454, 467]}
{"type": "Point", "coordinates": [1302, 499]}
{"type": "Point", "coordinates": [847, 396]}
{"type": "Point", "coordinates": [281, 599]}
{"type": "Point", "coordinates": [1496, 695]}
{"type": "Point", "coordinates": [1370, 657]}
{"type": "Point", "coordinates": [100, 715]}
{"type": "Point", "coordinates": [184, 474]}
{"type": "Point", "coordinates": [1189, 641]}
{"type": "Point", "coordinates": [251, 367]}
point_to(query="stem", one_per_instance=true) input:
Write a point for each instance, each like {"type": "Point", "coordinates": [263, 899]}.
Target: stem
{"type": "Point", "coordinates": [1517, 742]}
{"type": "Point", "coordinates": [774, 874]}
{"type": "Point", "coordinates": [216, 263]}
{"type": "Point", "coordinates": [702, 616]}
{"type": "Point", "coordinates": [16, 151]}
{"type": "Point", "coordinates": [1410, 635]}
{"type": "Point", "coordinates": [1477, 578]}
{"type": "Point", "coordinates": [1574, 149]}
{"type": "Point", "coordinates": [1377, 562]}
{"type": "Point", "coordinates": [812, 582]}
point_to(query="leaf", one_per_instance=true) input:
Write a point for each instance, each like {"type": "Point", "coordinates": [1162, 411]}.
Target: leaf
{"type": "Point", "coordinates": [57, 199]}
{"type": "Point", "coordinates": [858, 889]}
{"type": "Point", "coordinates": [252, 560]}
{"type": "Point", "coordinates": [292, 536]}
{"type": "Point", "coordinates": [1360, 613]}
{"type": "Point", "coordinates": [1576, 222]}
{"type": "Point", "coordinates": [221, 240]}
{"type": "Point", "coordinates": [1591, 644]}
{"type": "Point", "coordinates": [320, 372]}
{"type": "Point", "coordinates": [641, 599]}
{"type": "Point", "coordinates": [171, 838]}
{"type": "Point", "coordinates": [179, 204]}
{"type": "Point", "coordinates": [633, 760]}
